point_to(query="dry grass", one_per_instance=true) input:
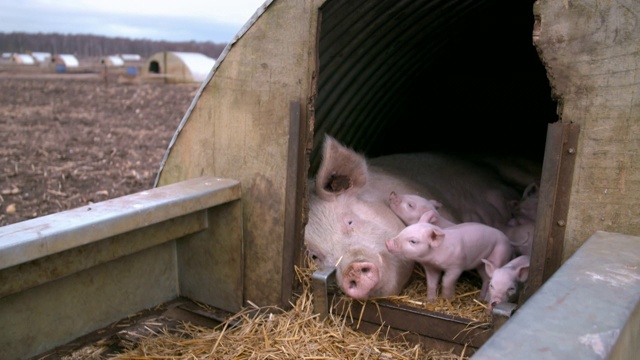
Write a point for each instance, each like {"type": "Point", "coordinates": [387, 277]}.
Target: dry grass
{"type": "Point", "coordinates": [464, 305]}
{"type": "Point", "coordinates": [275, 333]}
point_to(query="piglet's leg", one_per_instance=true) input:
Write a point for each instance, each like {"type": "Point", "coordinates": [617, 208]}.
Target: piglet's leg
{"type": "Point", "coordinates": [433, 279]}
{"type": "Point", "coordinates": [449, 281]}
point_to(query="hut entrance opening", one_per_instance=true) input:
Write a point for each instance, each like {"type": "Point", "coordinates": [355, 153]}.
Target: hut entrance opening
{"type": "Point", "coordinates": [468, 71]}
{"type": "Point", "coordinates": [452, 76]}
{"type": "Point", "coordinates": [154, 67]}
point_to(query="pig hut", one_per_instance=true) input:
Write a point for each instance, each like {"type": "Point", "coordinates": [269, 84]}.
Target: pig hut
{"type": "Point", "coordinates": [41, 57]}
{"type": "Point", "coordinates": [178, 67]}
{"type": "Point", "coordinates": [552, 81]}
{"type": "Point", "coordinates": [23, 59]}
{"type": "Point", "coordinates": [65, 62]}
{"type": "Point", "coordinates": [112, 61]}
{"type": "Point", "coordinates": [513, 77]}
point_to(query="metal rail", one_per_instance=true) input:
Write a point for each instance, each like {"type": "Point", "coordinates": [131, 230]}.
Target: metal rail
{"type": "Point", "coordinates": [70, 273]}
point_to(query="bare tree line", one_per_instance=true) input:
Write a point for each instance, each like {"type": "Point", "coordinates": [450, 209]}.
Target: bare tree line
{"type": "Point", "coordinates": [93, 45]}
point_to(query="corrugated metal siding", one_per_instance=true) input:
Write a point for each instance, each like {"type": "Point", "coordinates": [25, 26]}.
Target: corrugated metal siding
{"type": "Point", "coordinates": [385, 65]}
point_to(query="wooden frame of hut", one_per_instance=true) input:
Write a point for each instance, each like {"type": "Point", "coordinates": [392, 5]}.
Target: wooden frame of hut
{"type": "Point", "coordinates": [364, 73]}
{"type": "Point", "coordinates": [553, 80]}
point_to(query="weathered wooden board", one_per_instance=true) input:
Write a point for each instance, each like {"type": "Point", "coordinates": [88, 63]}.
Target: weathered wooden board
{"type": "Point", "coordinates": [241, 125]}
{"type": "Point", "coordinates": [591, 54]}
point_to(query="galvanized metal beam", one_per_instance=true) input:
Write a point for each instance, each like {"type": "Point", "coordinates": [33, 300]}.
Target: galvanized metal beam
{"type": "Point", "coordinates": [32, 239]}
{"type": "Point", "coordinates": [321, 280]}
{"type": "Point", "coordinates": [70, 273]}
{"type": "Point", "coordinates": [588, 309]}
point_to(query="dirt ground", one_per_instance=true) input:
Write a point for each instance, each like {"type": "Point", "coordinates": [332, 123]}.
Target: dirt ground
{"type": "Point", "coordinates": [68, 140]}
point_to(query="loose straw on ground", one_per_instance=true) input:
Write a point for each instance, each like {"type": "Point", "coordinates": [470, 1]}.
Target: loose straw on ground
{"type": "Point", "coordinates": [274, 333]}
{"type": "Point", "coordinates": [464, 305]}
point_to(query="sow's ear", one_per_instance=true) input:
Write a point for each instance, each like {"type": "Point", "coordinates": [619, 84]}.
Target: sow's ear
{"type": "Point", "coordinates": [342, 170]}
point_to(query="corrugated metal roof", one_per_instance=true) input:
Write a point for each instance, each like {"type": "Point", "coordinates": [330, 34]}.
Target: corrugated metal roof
{"type": "Point", "coordinates": [130, 57]}
{"type": "Point", "coordinates": [198, 64]}
{"type": "Point", "coordinates": [410, 75]}
{"type": "Point", "coordinates": [41, 56]}
{"type": "Point", "coordinates": [113, 60]}
{"type": "Point", "coordinates": [68, 60]}
{"type": "Point", "coordinates": [24, 59]}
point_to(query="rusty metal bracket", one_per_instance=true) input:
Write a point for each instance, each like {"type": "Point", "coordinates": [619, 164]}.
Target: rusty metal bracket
{"type": "Point", "coordinates": [553, 207]}
{"type": "Point", "coordinates": [321, 280]}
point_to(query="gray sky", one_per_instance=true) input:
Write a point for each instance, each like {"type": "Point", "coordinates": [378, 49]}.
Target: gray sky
{"type": "Point", "coordinates": [170, 20]}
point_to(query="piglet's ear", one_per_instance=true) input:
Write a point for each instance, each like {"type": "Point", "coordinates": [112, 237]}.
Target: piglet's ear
{"type": "Point", "coordinates": [428, 217]}
{"type": "Point", "coordinates": [437, 204]}
{"type": "Point", "coordinates": [489, 267]}
{"type": "Point", "coordinates": [437, 236]}
{"type": "Point", "coordinates": [342, 170]}
{"type": "Point", "coordinates": [523, 273]}
{"type": "Point", "coordinates": [531, 190]}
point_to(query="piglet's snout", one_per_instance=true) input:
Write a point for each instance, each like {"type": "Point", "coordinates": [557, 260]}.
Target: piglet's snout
{"type": "Point", "coordinates": [359, 279]}
{"type": "Point", "coordinates": [494, 302]}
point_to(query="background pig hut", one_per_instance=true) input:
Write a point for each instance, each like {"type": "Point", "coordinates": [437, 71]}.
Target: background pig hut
{"type": "Point", "coordinates": [523, 91]}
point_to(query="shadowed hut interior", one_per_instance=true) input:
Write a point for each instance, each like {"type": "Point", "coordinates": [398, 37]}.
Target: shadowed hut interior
{"type": "Point", "coordinates": [405, 76]}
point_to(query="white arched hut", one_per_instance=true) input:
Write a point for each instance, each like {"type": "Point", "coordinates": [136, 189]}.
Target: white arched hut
{"type": "Point", "coordinates": [556, 82]}
{"type": "Point", "coordinates": [112, 61]}
{"type": "Point", "coordinates": [68, 60]}
{"type": "Point", "coordinates": [23, 59]}
{"type": "Point", "coordinates": [41, 57]}
{"type": "Point", "coordinates": [179, 67]}
{"type": "Point", "coordinates": [64, 62]}
{"type": "Point", "coordinates": [545, 81]}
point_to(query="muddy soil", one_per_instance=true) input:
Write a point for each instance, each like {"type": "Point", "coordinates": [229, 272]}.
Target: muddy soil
{"type": "Point", "coordinates": [68, 140]}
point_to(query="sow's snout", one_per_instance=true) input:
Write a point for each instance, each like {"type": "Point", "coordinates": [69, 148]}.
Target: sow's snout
{"type": "Point", "coordinates": [359, 278]}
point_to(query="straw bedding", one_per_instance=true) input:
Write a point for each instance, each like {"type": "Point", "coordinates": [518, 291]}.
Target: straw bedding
{"type": "Point", "coordinates": [275, 333]}
{"type": "Point", "coordinates": [464, 305]}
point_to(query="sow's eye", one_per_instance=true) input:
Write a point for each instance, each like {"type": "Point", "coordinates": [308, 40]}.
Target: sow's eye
{"type": "Point", "coordinates": [349, 222]}
{"type": "Point", "coordinates": [314, 256]}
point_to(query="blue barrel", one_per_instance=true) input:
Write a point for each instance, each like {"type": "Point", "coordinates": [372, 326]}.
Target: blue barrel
{"type": "Point", "coordinates": [132, 70]}
{"type": "Point", "coordinates": [60, 68]}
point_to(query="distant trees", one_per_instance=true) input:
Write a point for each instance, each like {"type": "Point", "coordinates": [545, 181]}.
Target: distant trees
{"type": "Point", "coordinates": [93, 45]}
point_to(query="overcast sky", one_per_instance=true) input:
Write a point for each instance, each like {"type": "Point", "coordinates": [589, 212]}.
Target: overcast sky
{"type": "Point", "coordinates": [170, 20]}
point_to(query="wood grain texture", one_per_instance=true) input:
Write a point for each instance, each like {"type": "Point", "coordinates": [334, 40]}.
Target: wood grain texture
{"type": "Point", "coordinates": [590, 49]}
{"type": "Point", "coordinates": [240, 126]}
